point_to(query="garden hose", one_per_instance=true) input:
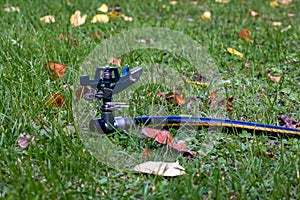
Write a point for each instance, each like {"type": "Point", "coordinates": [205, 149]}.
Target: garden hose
{"type": "Point", "coordinates": [177, 121]}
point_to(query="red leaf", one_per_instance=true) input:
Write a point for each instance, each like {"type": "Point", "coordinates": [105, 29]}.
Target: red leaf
{"type": "Point", "coordinates": [56, 70]}
{"type": "Point", "coordinates": [56, 100]}
{"type": "Point", "coordinates": [163, 137]}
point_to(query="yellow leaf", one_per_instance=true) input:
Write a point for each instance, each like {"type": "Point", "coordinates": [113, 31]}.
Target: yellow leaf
{"type": "Point", "coordinates": [173, 2]}
{"type": "Point", "coordinates": [103, 8]}
{"type": "Point", "coordinates": [222, 1]}
{"type": "Point", "coordinates": [114, 14]}
{"type": "Point", "coordinates": [206, 15]}
{"type": "Point", "coordinates": [102, 18]}
{"type": "Point", "coordinates": [274, 3]}
{"type": "Point", "coordinates": [48, 19]}
{"type": "Point", "coordinates": [235, 52]}
{"type": "Point", "coordinates": [160, 168]}
{"type": "Point", "coordinates": [76, 19]}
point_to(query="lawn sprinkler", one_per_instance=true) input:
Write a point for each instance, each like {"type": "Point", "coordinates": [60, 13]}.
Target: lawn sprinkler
{"type": "Point", "coordinates": [107, 82]}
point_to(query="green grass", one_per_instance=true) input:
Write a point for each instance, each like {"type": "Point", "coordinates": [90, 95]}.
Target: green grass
{"type": "Point", "coordinates": [57, 165]}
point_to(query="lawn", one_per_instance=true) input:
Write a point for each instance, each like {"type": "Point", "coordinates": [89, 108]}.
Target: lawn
{"type": "Point", "coordinates": [57, 164]}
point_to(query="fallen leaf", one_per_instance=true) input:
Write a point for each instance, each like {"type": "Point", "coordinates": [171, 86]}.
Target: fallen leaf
{"type": "Point", "coordinates": [247, 64]}
{"type": "Point", "coordinates": [245, 34]}
{"type": "Point", "coordinates": [115, 14]}
{"type": "Point", "coordinates": [291, 15]}
{"type": "Point", "coordinates": [212, 98]}
{"type": "Point", "coordinates": [173, 2]}
{"type": "Point", "coordinates": [285, 2]}
{"type": "Point", "coordinates": [274, 3]}
{"type": "Point", "coordinates": [56, 70]}
{"type": "Point", "coordinates": [76, 19]}
{"type": "Point", "coordinates": [161, 136]}
{"type": "Point", "coordinates": [206, 15]}
{"type": "Point", "coordinates": [103, 8]}
{"type": "Point", "coordinates": [286, 28]}
{"type": "Point", "coordinates": [228, 105]}
{"type": "Point", "coordinates": [127, 18]}
{"type": "Point", "coordinates": [275, 79]}
{"type": "Point", "coordinates": [146, 152]}
{"type": "Point", "coordinates": [276, 23]}
{"type": "Point", "coordinates": [102, 18]}
{"type": "Point", "coordinates": [165, 137]}
{"type": "Point", "coordinates": [12, 9]}
{"type": "Point", "coordinates": [161, 168]}
{"type": "Point", "coordinates": [253, 13]}
{"type": "Point", "coordinates": [175, 99]}
{"type": "Point", "coordinates": [194, 3]}
{"type": "Point", "coordinates": [57, 100]}
{"type": "Point", "coordinates": [48, 19]}
{"type": "Point", "coordinates": [222, 1]}
{"type": "Point", "coordinates": [115, 61]}
{"type": "Point", "coordinates": [24, 140]}
{"type": "Point", "coordinates": [235, 52]}
{"type": "Point", "coordinates": [288, 122]}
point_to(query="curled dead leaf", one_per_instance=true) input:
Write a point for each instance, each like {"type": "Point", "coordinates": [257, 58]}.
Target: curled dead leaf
{"type": "Point", "coordinates": [160, 168]}
{"type": "Point", "coordinates": [115, 61]}
{"type": "Point", "coordinates": [275, 79]}
{"type": "Point", "coordinates": [12, 9]}
{"type": "Point", "coordinates": [274, 3]}
{"type": "Point", "coordinates": [56, 70]}
{"type": "Point", "coordinates": [57, 100]}
{"type": "Point", "coordinates": [48, 19]}
{"type": "Point", "coordinates": [253, 13]}
{"type": "Point", "coordinates": [76, 19]}
{"type": "Point", "coordinates": [245, 34]}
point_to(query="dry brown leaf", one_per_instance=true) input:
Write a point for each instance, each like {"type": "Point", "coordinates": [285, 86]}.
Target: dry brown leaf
{"type": "Point", "coordinates": [115, 61]}
{"type": "Point", "coordinates": [160, 168]}
{"type": "Point", "coordinates": [57, 100]}
{"type": "Point", "coordinates": [275, 79]}
{"type": "Point", "coordinates": [69, 38]}
{"type": "Point", "coordinates": [56, 70]}
{"type": "Point", "coordinates": [76, 19]}
{"type": "Point", "coordinates": [245, 34]}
